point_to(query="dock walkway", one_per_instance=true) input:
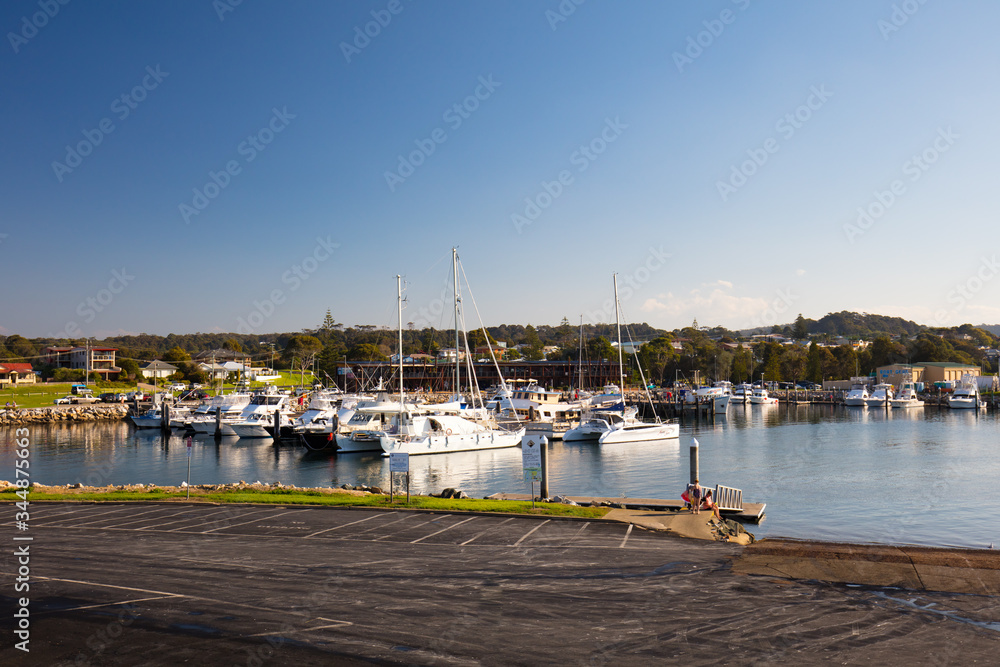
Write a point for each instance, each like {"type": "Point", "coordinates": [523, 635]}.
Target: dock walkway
{"type": "Point", "coordinates": [752, 512]}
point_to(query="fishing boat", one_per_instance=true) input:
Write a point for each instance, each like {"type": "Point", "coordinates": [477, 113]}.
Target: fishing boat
{"type": "Point", "coordinates": [966, 395]}
{"type": "Point", "coordinates": [152, 418]}
{"type": "Point", "coordinates": [742, 393]}
{"type": "Point", "coordinates": [857, 396]}
{"type": "Point", "coordinates": [880, 396]}
{"type": "Point", "coordinates": [761, 397]}
{"type": "Point", "coordinates": [907, 397]}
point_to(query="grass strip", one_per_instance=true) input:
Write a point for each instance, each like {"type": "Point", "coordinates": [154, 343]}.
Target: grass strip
{"type": "Point", "coordinates": [315, 497]}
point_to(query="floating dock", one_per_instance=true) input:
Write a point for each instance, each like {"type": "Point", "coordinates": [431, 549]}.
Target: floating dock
{"type": "Point", "coordinates": [752, 512]}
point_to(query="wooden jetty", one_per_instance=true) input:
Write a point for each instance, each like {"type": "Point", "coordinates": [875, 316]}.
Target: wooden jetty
{"type": "Point", "coordinates": [751, 513]}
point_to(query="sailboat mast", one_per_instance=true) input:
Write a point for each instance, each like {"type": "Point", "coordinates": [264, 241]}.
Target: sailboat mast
{"type": "Point", "coordinates": [579, 361]}
{"type": "Point", "coordinates": [458, 371]}
{"type": "Point", "coordinates": [618, 325]}
{"type": "Point", "coordinates": [399, 310]}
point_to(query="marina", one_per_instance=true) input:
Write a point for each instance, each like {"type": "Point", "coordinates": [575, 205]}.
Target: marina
{"type": "Point", "coordinates": [912, 470]}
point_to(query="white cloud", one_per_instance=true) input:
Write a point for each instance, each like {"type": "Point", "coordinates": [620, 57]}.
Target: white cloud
{"type": "Point", "coordinates": [800, 272]}
{"type": "Point", "coordinates": [715, 306]}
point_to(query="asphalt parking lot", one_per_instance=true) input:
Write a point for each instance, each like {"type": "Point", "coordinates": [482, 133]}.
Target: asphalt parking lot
{"type": "Point", "coordinates": [173, 584]}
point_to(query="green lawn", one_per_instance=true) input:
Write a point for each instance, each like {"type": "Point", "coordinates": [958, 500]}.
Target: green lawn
{"type": "Point", "coordinates": [298, 497]}
{"type": "Point", "coordinates": [34, 395]}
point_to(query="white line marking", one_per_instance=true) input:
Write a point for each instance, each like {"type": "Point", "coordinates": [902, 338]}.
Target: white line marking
{"type": "Point", "coordinates": [525, 536]}
{"type": "Point", "coordinates": [84, 523]}
{"type": "Point", "coordinates": [192, 515]}
{"type": "Point", "coordinates": [203, 532]}
{"type": "Point", "coordinates": [576, 534]}
{"type": "Point", "coordinates": [125, 523]}
{"type": "Point", "coordinates": [109, 604]}
{"type": "Point", "coordinates": [343, 525]}
{"type": "Point", "coordinates": [420, 539]}
{"type": "Point", "coordinates": [478, 535]}
{"type": "Point", "coordinates": [383, 525]}
{"type": "Point", "coordinates": [117, 509]}
{"type": "Point", "coordinates": [627, 533]}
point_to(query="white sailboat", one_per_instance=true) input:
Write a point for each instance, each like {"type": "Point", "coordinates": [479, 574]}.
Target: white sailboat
{"type": "Point", "coordinates": [416, 431]}
{"type": "Point", "coordinates": [635, 431]}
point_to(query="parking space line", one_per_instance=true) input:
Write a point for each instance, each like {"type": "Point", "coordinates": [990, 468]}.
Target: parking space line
{"type": "Point", "coordinates": [193, 514]}
{"type": "Point", "coordinates": [108, 604]}
{"type": "Point", "coordinates": [478, 535]}
{"type": "Point", "coordinates": [117, 509]}
{"type": "Point", "coordinates": [84, 523]}
{"type": "Point", "coordinates": [383, 525]}
{"type": "Point", "coordinates": [526, 535]}
{"type": "Point", "coordinates": [247, 522]}
{"type": "Point", "coordinates": [197, 522]}
{"type": "Point", "coordinates": [420, 539]}
{"type": "Point", "coordinates": [576, 534]}
{"type": "Point", "coordinates": [627, 533]}
{"type": "Point", "coordinates": [125, 523]}
{"type": "Point", "coordinates": [343, 525]}
{"type": "Point", "coordinates": [44, 513]}
{"type": "Point", "coordinates": [384, 537]}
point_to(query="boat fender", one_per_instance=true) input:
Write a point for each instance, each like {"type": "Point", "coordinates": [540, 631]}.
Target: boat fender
{"type": "Point", "coordinates": [447, 431]}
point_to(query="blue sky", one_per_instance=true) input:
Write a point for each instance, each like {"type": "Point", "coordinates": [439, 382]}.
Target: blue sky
{"type": "Point", "coordinates": [178, 167]}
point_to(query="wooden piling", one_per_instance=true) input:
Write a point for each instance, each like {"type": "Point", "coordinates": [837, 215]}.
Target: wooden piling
{"type": "Point", "coordinates": [694, 461]}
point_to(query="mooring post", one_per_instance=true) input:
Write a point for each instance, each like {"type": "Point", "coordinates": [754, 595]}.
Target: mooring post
{"type": "Point", "coordinates": [694, 460]}
{"type": "Point", "coordinates": [218, 422]}
{"type": "Point", "coordinates": [277, 426]}
{"type": "Point", "coordinates": [544, 490]}
{"type": "Point", "coordinates": [164, 416]}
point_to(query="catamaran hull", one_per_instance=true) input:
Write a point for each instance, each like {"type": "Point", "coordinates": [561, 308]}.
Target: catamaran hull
{"type": "Point", "coordinates": [460, 442]}
{"type": "Point", "coordinates": [641, 433]}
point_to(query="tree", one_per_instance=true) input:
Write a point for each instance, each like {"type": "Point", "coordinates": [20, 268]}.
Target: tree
{"type": "Point", "coordinates": [301, 347]}
{"type": "Point", "coordinates": [801, 329]}
{"type": "Point", "coordinates": [130, 367]}
{"type": "Point", "coordinates": [176, 354]}
{"type": "Point", "coordinates": [814, 363]}
{"type": "Point", "coordinates": [232, 344]}
{"type": "Point", "coordinates": [366, 352]}
{"type": "Point", "coordinates": [741, 365]}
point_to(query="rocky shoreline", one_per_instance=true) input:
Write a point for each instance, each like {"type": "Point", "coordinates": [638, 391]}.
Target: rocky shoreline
{"type": "Point", "coordinates": [55, 415]}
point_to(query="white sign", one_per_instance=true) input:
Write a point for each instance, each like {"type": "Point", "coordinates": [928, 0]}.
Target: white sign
{"type": "Point", "coordinates": [531, 456]}
{"type": "Point", "coordinates": [399, 462]}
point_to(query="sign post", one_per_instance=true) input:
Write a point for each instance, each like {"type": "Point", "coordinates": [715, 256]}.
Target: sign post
{"type": "Point", "coordinates": [531, 462]}
{"type": "Point", "coordinates": [189, 468]}
{"type": "Point", "coordinates": [399, 462]}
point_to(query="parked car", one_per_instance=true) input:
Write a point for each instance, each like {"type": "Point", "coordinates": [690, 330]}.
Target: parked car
{"type": "Point", "coordinates": [85, 399]}
{"type": "Point", "coordinates": [65, 400]}
{"type": "Point", "coordinates": [109, 397]}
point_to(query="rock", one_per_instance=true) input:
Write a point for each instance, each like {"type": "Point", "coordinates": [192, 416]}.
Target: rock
{"type": "Point", "coordinates": [376, 490]}
{"type": "Point", "coordinates": [462, 495]}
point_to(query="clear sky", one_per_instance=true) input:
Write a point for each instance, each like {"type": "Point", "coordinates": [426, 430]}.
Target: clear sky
{"type": "Point", "coordinates": [198, 166]}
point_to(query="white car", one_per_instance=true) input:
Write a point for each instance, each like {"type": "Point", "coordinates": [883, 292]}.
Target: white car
{"type": "Point", "coordinates": [65, 400]}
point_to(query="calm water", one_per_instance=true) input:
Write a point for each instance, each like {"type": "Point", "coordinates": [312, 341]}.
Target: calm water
{"type": "Point", "coordinates": [924, 476]}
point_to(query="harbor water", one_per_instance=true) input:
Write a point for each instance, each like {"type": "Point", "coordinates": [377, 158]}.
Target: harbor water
{"type": "Point", "coordinates": [920, 476]}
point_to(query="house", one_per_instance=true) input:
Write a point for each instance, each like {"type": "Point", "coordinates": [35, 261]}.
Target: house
{"type": "Point", "coordinates": [158, 369]}
{"type": "Point", "coordinates": [97, 359]}
{"type": "Point", "coordinates": [13, 374]}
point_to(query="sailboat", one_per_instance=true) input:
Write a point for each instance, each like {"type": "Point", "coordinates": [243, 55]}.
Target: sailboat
{"type": "Point", "coordinates": [421, 431]}
{"type": "Point", "coordinates": [626, 431]}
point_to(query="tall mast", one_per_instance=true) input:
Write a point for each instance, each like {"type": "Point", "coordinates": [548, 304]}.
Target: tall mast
{"type": "Point", "coordinates": [454, 265]}
{"type": "Point", "coordinates": [399, 309]}
{"type": "Point", "coordinates": [579, 361]}
{"type": "Point", "coordinates": [618, 325]}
